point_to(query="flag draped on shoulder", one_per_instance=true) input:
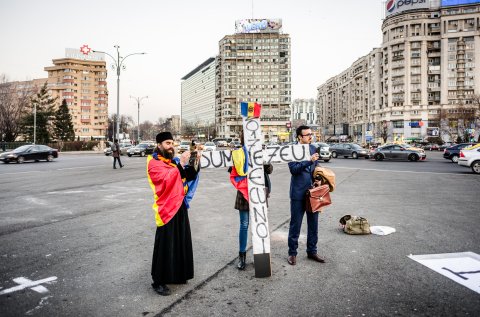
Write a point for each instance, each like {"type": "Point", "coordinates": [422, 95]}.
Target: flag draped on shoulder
{"type": "Point", "coordinates": [190, 187]}
{"type": "Point", "coordinates": [167, 186]}
{"type": "Point", "coordinates": [238, 175]}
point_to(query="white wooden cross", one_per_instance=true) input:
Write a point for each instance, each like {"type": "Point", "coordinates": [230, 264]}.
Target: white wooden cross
{"type": "Point", "coordinates": [256, 184]}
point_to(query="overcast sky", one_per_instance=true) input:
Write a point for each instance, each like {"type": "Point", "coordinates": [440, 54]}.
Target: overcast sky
{"type": "Point", "coordinates": [327, 37]}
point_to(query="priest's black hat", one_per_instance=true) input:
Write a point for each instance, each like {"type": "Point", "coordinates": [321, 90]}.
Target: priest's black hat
{"type": "Point", "coordinates": [162, 136]}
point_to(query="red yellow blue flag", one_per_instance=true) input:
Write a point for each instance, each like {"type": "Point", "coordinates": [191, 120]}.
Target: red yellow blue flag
{"type": "Point", "coordinates": [250, 109]}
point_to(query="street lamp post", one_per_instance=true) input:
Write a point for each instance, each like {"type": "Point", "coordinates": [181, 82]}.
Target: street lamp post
{"type": "Point", "coordinates": [139, 100]}
{"type": "Point", "coordinates": [34, 123]}
{"type": "Point", "coordinates": [118, 66]}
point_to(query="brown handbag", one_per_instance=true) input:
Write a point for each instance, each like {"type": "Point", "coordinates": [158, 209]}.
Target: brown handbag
{"type": "Point", "coordinates": [317, 197]}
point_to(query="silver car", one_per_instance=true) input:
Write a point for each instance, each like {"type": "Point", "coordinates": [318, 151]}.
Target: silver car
{"type": "Point", "coordinates": [398, 152]}
{"type": "Point", "coordinates": [323, 149]}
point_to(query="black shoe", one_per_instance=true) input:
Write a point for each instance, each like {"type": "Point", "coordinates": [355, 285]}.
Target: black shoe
{"type": "Point", "coordinates": [114, 168]}
{"type": "Point", "coordinates": [121, 166]}
{"type": "Point", "coordinates": [242, 260]}
{"type": "Point", "coordinates": [161, 289]}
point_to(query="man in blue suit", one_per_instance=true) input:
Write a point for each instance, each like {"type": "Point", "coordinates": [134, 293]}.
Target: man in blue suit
{"type": "Point", "coordinates": [300, 182]}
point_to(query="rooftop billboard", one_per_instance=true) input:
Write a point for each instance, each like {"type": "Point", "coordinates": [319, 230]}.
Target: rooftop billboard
{"type": "Point", "coordinates": [447, 3]}
{"type": "Point", "coordinates": [258, 26]}
{"type": "Point", "coordinates": [397, 6]}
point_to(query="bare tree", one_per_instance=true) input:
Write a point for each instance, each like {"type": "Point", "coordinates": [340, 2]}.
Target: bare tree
{"type": "Point", "coordinates": [14, 101]}
{"type": "Point", "coordinates": [456, 122]}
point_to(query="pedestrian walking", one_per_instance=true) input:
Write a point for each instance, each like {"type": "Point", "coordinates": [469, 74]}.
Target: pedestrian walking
{"type": "Point", "coordinates": [172, 252]}
{"type": "Point", "coordinates": [301, 180]}
{"type": "Point", "coordinates": [116, 154]}
{"type": "Point", "coordinates": [238, 177]}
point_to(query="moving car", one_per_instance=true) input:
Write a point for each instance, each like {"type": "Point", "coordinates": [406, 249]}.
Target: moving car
{"type": "Point", "coordinates": [209, 146]}
{"type": "Point", "coordinates": [123, 149]}
{"type": "Point", "coordinates": [398, 152]}
{"type": "Point", "coordinates": [141, 149]}
{"type": "Point", "coordinates": [453, 152]}
{"type": "Point", "coordinates": [348, 150]}
{"type": "Point", "coordinates": [32, 152]}
{"type": "Point", "coordinates": [323, 149]}
{"type": "Point", "coordinates": [470, 158]}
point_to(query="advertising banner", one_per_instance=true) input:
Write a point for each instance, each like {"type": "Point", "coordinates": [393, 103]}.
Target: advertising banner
{"type": "Point", "coordinates": [258, 26]}
{"type": "Point", "coordinates": [447, 3]}
{"type": "Point", "coordinates": [433, 131]}
{"type": "Point", "coordinates": [397, 6]}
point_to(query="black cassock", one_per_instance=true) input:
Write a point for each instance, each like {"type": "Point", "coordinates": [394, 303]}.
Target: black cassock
{"type": "Point", "coordinates": [172, 253]}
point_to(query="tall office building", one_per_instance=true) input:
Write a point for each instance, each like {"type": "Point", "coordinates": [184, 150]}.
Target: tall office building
{"type": "Point", "coordinates": [198, 95]}
{"type": "Point", "coordinates": [427, 78]}
{"type": "Point", "coordinates": [253, 65]}
{"type": "Point", "coordinates": [81, 79]}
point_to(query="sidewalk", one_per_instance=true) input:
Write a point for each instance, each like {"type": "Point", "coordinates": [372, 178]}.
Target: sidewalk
{"type": "Point", "coordinates": [79, 152]}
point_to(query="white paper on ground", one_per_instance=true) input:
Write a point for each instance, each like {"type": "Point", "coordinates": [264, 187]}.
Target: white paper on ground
{"type": "Point", "coordinates": [382, 230]}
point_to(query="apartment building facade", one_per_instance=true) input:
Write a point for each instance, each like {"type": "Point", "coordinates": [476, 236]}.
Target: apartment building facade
{"type": "Point", "coordinates": [81, 79]}
{"type": "Point", "coordinates": [198, 95]}
{"type": "Point", "coordinates": [253, 65]}
{"type": "Point", "coordinates": [422, 79]}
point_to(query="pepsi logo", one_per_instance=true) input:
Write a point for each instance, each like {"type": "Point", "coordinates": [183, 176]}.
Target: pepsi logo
{"type": "Point", "coordinates": [391, 5]}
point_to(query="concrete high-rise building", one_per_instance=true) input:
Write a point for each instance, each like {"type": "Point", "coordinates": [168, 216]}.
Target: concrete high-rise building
{"type": "Point", "coordinates": [253, 65]}
{"type": "Point", "coordinates": [425, 81]}
{"type": "Point", "coordinates": [198, 95]}
{"type": "Point", "coordinates": [81, 79]}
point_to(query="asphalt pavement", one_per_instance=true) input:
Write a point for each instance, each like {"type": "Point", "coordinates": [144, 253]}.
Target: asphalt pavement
{"type": "Point", "coordinates": [92, 229]}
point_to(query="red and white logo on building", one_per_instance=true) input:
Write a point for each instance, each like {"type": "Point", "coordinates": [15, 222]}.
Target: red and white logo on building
{"type": "Point", "coordinates": [85, 49]}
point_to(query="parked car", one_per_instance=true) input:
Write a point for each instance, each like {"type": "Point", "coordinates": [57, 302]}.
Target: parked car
{"type": "Point", "coordinates": [141, 149]}
{"type": "Point", "coordinates": [184, 146]}
{"type": "Point", "coordinates": [431, 147]}
{"type": "Point", "coordinates": [123, 149]}
{"type": "Point", "coordinates": [209, 146]}
{"type": "Point", "coordinates": [398, 152]}
{"type": "Point", "coordinates": [323, 149]}
{"type": "Point", "coordinates": [222, 143]}
{"type": "Point", "coordinates": [235, 144]}
{"type": "Point", "coordinates": [470, 158]}
{"type": "Point", "coordinates": [348, 150]}
{"type": "Point", "coordinates": [32, 152]}
{"type": "Point", "coordinates": [452, 153]}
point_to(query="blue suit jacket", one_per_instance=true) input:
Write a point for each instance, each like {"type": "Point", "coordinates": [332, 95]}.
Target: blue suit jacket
{"type": "Point", "coordinates": [301, 176]}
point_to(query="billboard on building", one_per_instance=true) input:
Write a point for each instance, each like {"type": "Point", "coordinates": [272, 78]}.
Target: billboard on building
{"type": "Point", "coordinates": [258, 26]}
{"type": "Point", "coordinates": [447, 3]}
{"type": "Point", "coordinates": [87, 55]}
{"type": "Point", "coordinates": [397, 6]}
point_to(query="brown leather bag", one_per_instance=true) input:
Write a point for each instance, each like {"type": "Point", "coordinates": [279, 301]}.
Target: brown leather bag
{"type": "Point", "coordinates": [317, 197]}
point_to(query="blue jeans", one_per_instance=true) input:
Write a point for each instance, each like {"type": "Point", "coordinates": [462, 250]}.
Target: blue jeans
{"type": "Point", "coordinates": [243, 233]}
{"type": "Point", "coordinates": [297, 210]}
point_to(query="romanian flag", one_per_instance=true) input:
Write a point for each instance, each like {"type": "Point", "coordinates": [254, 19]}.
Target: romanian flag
{"type": "Point", "coordinates": [250, 109]}
{"type": "Point", "coordinates": [238, 175]}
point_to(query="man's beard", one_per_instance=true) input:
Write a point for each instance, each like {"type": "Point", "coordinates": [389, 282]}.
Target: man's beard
{"type": "Point", "coordinates": [166, 154]}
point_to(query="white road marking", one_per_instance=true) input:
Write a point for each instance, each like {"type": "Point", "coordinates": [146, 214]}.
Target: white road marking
{"type": "Point", "coordinates": [26, 283]}
{"type": "Point", "coordinates": [396, 171]}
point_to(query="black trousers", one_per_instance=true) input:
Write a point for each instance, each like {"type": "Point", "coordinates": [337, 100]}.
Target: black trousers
{"type": "Point", "coordinates": [115, 161]}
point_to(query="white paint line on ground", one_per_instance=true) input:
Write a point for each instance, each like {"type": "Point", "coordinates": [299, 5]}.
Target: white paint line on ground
{"type": "Point", "coordinates": [396, 171]}
{"type": "Point", "coordinates": [26, 283]}
{"type": "Point", "coordinates": [461, 267]}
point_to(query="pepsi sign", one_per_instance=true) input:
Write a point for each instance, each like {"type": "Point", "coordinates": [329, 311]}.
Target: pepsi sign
{"type": "Point", "coordinates": [397, 6]}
